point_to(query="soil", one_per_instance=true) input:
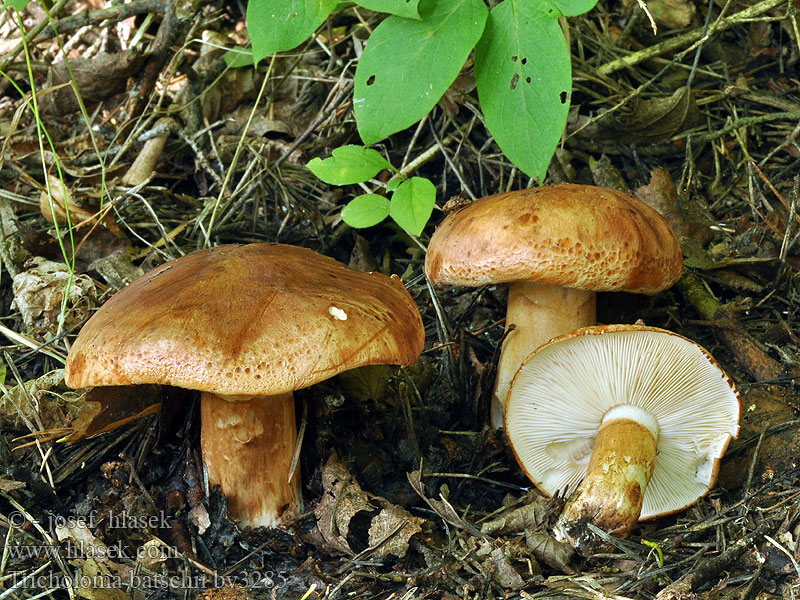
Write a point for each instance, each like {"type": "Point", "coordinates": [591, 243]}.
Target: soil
{"type": "Point", "coordinates": [408, 492]}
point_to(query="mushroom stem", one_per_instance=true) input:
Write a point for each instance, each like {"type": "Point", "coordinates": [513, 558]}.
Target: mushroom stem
{"type": "Point", "coordinates": [610, 496]}
{"type": "Point", "coordinates": [539, 313]}
{"type": "Point", "coordinates": [248, 444]}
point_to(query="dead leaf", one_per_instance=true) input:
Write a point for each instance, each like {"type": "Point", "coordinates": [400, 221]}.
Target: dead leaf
{"type": "Point", "coordinates": [39, 293]}
{"type": "Point", "coordinates": [101, 581]}
{"type": "Point", "coordinates": [672, 14]}
{"type": "Point", "coordinates": [9, 485]}
{"type": "Point", "coordinates": [550, 551]}
{"type": "Point", "coordinates": [519, 519]}
{"type": "Point", "coordinates": [504, 572]}
{"type": "Point", "coordinates": [391, 530]}
{"type": "Point", "coordinates": [97, 78]}
{"type": "Point", "coordinates": [342, 500]}
{"type": "Point", "coordinates": [685, 219]}
{"type": "Point", "coordinates": [199, 517]}
{"type": "Point", "coordinates": [46, 400]}
{"type": "Point", "coordinates": [390, 526]}
{"type": "Point", "coordinates": [441, 507]}
{"type": "Point", "coordinates": [653, 119]}
{"type": "Point", "coordinates": [606, 174]}
{"type": "Point", "coordinates": [457, 93]}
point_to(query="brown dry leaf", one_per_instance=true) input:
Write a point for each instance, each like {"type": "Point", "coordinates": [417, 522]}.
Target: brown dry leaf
{"type": "Point", "coordinates": [457, 93]}
{"type": "Point", "coordinates": [672, 14]}
{"type": "Point", "coordinates": [199, 518]}
{"type": "Point", "coordinates": [9, 485]}
{"type": "Point", "coordinates": [12, 251]}
{"type": "Point", "coordinates": [101, 578]}
{"type": "Point", "coordinates": [606, 174]}
{"type": "Point", "coordinates": [654, 119]}
{"type": "Point", "coordinates": [519, 519]}
{"type": "Point", "coordinates": [78, 532]}
{"type": "Point", "coordinates": [662, 195]}
{"type": "Point", "coordinates": [342, 500]}
{"type": "Point", "coordinates": [391, 530]}
{"type": "Point", "coordinates": [97, 78]}
{"type": "Point", "coordinates": [45, 399]}
{"type": "Point", "coordinates": [441, 507]}
{"type": "Point", "coordinates": [233, 591]}
{"type": "Point", "coordinates": [736, 281]}
{"type": "Point", "coordinates": [504, 572]}
{"type": "Point", "coordinates": [260, 126]}
{"type": "Point", "coordinates": [39, 293]}
{"type": "Point", "coordinates": [550, 551]}
{"type": "Point", "coordinates": [101, 581]}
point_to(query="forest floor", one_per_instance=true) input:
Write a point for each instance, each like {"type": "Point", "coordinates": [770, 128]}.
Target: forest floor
{"type": "Point", "coordinates": [702, 121]}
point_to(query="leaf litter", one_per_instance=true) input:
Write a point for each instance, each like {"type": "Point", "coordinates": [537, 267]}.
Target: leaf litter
{"type": "Point", "coordinates": [700, 121]}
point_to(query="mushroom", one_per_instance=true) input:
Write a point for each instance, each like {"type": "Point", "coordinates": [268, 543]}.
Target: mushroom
{"type": "Point", "coordinates": [629, 421]}
{"type": "Point", "coordinates": [246, 326]}
{"type": "Point", "coordinates": [556, 245]}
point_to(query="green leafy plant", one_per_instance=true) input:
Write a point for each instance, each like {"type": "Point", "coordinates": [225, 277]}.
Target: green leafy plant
{"type": "Point", "coordinates": [411, 202]}
{"type": "Point", "coordinates": [522, 64]}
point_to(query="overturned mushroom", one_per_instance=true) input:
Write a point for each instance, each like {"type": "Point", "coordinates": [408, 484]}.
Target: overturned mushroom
{"type": "Point", "coordinates": [630, 421]}
{"type": "Point", "coordinates": [247, 325]}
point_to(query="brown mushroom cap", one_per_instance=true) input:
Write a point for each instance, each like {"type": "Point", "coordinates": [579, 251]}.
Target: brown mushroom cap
{"type": "Point", "coordinates": [260, 319]}
{"type": "Point", "coordinates": [578, 236]}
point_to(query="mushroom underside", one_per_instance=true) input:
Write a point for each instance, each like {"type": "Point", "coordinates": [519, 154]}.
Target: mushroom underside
{"type": "Point", "coordinates": [538, 313]}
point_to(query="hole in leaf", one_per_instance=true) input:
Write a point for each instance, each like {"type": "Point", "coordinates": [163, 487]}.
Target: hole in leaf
{"type": "Point", "coordinates": [527, 80]}
{"type": "Point", "coordinates": [513, 59]}
{"type": "Point", "coordinates": [371, 80]}
{"type": "Point", "coordinates": [524, 61]}
{"type": "Point", "coordinates": [514, 81]}
{"type": "Point", "coordinates": [564, 97]}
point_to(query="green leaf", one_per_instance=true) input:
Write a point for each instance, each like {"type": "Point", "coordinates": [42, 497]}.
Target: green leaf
{"type": "Point", "coordinates": [571, 8]}
{"type": "Point", "coordinates": [523, 74]}
{"type": "Point", "coordinates": [18, 4]}
{"type": "Point", "coordinates": [278, 25]}
{"type": "Point", "coordinates": [412, 204]}
{"type": "Point", "coordinates": [238, 57]}
{"type": "Point", "coordinates": [401, 8]}
{"type": "Point", "coordinates": [392, 184]}
{"type": "Point", "coordinates": [407, 65]}
{"type": "Point", "coordinates": [349, 164]}
{"type": "Point", "coordinates": [365, 210]}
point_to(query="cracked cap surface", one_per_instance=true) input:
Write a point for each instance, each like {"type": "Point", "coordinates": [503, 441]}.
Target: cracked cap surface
{"type": "Point", "coordinates": [567, 235]}
{"type": "Point", "coordinates": [261, 319]}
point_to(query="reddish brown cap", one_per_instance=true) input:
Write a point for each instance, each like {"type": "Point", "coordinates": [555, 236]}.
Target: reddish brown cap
{"type": "Point", "coordinates": [578, 236]}
{"type": "Point", "coordinates": [250, 320]}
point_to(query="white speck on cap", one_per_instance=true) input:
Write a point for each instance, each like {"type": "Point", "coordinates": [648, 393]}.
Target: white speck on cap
{"type": "Point", "coordinates": [337, 313]}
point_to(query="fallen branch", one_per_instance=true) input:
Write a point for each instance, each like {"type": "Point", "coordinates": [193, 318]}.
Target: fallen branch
{"type": "Point", "coordinates": [757, 363]}
{"type": "Point", "coordinates": [708, 569]}
{"type": "Point", "coordinates": [110, 16]}
{"type": "Point", "coordinates": [696, 35]}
